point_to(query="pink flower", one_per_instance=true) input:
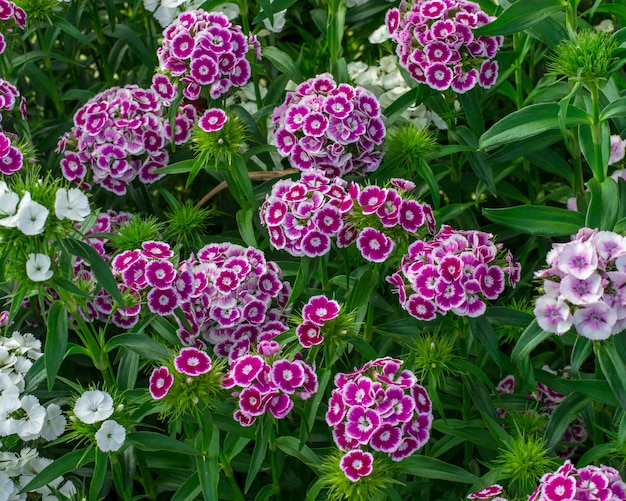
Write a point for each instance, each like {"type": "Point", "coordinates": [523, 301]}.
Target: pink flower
{"type": "Point", "coordinates": [578, 259]}
{"type": "Point", "coordinates": [287, 375]}
{"type": "Point", "coordinates": [309, 334]}
{"type": "Point", "coordinates": [486, 493]}
{"type": "Point", "coordinates": [356, 464]}
{"type": "Point", "coordinates": [553, 314]}
{"type": "Point", "coordinates": [160, 382]}
{"type": "Point", "coordinates": [595, 321]}
{"type": "Point", "coordinates": [245, 369]}
{"type": "Point", "coordinates": [192, 362]}
{"type": "Point", "coordinates": [212, 120]}
{"type": "Point", "coordinates": [374, 245]}
{"type": "Point", "coordinates": [320, 309]}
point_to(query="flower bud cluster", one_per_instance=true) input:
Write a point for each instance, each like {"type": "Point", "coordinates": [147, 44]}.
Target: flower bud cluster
{"type": "Point", "coordinates": [437, 46]}
{"type": "Point", "coordinates": [236, 299]}
{"type": "Point", "coordinates": [334, 127]}
{"type": "Point", "coordinates": [583, 286]}
{"type": "Point", "coordinates": [119, 135]}
{"type": "Point", "coordinates": [455, 271]}
{"type": "Point", "coordinates": [268, 383]}
{"type": "Point", "coordinates": [202, 50]}
{"type": "Point", "coordinates": [11, 16]}
{"type": "Point", "coordinates": [381, 407]}
{"type": "Point", "coordinates": [302, 216]}
{"type": "Point", "coordinates": [548, 400]}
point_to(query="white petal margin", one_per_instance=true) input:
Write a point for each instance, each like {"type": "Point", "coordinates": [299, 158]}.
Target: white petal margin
{"type": "Point", "coordinates": [71, 204]}
{"type": "Point", "coordinates": [38, 267]}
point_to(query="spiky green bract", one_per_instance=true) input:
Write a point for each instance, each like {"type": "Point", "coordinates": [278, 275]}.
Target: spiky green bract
{"type": "Point", "coordinates": [185, 224]}
{"type": "Point", "coordinates": [524, 461]}
{"type": "Point", "coordinates": [38, 11]}
{"type": "Point", "coordinates": [135, 232]}
{"type": "Point", "coordinates": [587, 57]}
{"type": "Point", "coordinates": [432, 355]}
{"type": "Point", "coordinates": [372, 487]}
{"type": "Point", "coordinates": [219, 146]}
{"type": "Point", "coordinates": [406, 145]}
{"type": "Point", "coordinates": [527, 422]}
{"type": "Point", "coordinates": [190, 393]}
{"type": "Point", "coordinates": [511, 333]}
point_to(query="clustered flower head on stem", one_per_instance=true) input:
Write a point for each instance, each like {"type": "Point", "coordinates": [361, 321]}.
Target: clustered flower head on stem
{"type": "Point", "coordinates": [321, 319]}
{"type": "Point", "coordinates": [437, 46]}
{"type": "Point", "coordinates": [548, 399]}
{"type": "Point", "coordinates": [236, 299]}
{"type": "Point", "coordinates": [583, 286]}
{"type": "Point", "coordinates": [303, 216]}
{"type": "Point", "coordinates": [202, 50]}
{"type": "Point", "coordinates": [11, 17]}
{"type": "Point", "coordinates": [379, 407]}
{"type": "Point", "coordinates": [119, 135]}
{"type": "Point", "coordinates": [334, 127]}
{"type": "Point", "coordinates": [455, 271]}
{"type": "Point", "coordinates": [269, 383]}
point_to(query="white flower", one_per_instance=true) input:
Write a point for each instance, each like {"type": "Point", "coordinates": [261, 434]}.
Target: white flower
{"type": "Point", "coordinates": [278, 22]}
{"type": "Point", "coordinates": [29, 426]}
{"type": "Point", "coordinates": [38, 267]}
{"type": "Point", "coordinates": [31, 216]}
{"type": "Point", "coordinates": [93, 406]}
{"type": "Point", "coordinates": [8, 203]}
{"type": "Point", "coordinates": [8, 406]}
{"type": "Point", "coordinates": [380, 35]}
{"type": "Point", "coordinates": [71, 204]}
{"type": "Point", "coordinates": [7, 487]}
{"type": "Point", "coordinates": [110, 437]}
{"type": "Point", "coordinates": [54, 424]}
{"type": "Point", "coordinates": [229, 9]}
{"type": "Point", "coordinates": [68, 489]}
{"type": "Point", "coordinates": [8, 389]}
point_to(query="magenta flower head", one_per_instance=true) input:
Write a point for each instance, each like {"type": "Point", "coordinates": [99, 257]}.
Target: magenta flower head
{"type": "Point", "coordinates": [437, 46]}
{"type": "Point", "coordinates": [356, 464]}
{"type": "Point", "coordinates": [192, 362]}
{"type": "Point", "coordinates": [320, 309]}
{"type": "Point", "coordinates": [160, 382]}
{"type": "Point", "coordinates": [336, 128]}
{"type": "Point", "coordinates": [11, 17]}
{"type": "Point", "coordinates": [119, 135]}
{"type": "Point", "coordinates": [212, 120]}
{"type": "Point", "coordinates": [202, 53]}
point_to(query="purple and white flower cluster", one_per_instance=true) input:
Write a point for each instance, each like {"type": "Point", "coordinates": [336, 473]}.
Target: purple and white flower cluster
{"type": "Point", "coordinates": [303, 216]}
{"type": "Point", "coordinates": [382, 216]}
{"type": "Point", "coordinates": [202, 50]}
{"type": "Point", "coordinates": [11, 16]}
{"type": "Point", "coordinates": [435, 43]}
{"type": "Point", "coordinates": [381, 407]}
{"type": "Point", "coordinates": [316, 312]}
{"type": "Point", "coordinates": [492, 493]}
{"type": "Point", "coordinates": [119, 135]}
{"type": "Point", "coordinates": [455, 271]}
{"type": "Point", "coordinates": [268, 383]}
{"type": "Point", "coordinates": [334, 127]}
{"type": "Point", "coordinates": [584, 286]}
{"type": "Point", "coordinates": [235, 300]}
{"type": "Point", "coordinates": [11, 158]}
{"type": "Point", "coordinates": [189, 363]}
{"type": "Point", "coordinates": [548, 400]}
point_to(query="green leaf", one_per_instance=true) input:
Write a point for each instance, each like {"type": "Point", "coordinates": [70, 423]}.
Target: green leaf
{"type": "Point", "coordinates": [189, 489]}
{"type": "Point", "coordinates": [532, 337]}
{"type": "Point", "coordinates": [208, 467]}
{"type": "Point", "coordinates": [537, 220]}
{"type": "Point", "coordinates": [65, 464]}
{"type": "Point", "coordinates": [152, 442]}
{"type": "Point", "coordinates": [71, 30]}
{"type": "Point", "coordinates": [305, 272]}
{"type": "Point", "coordinates": [597, 162]}
{"type": "Point", "coordinates": [531, 121]}
{"type": "Point", "coordinates": [520, 16]}
{"type": "Point", "coordinates": [616, 108]}
{"type": "Point", "coordinates": [424, 170]}
{"type": "Point", "coordinates": [260, 448]}
{"type": "Point", "coordinates": [485, 333]}
{"type": "Point", "coordinates": [181, 167]}
{"type": "Point", "coordinates": [56, 341]}
{"type": "Point", "coordinates": [140, 344]}
{"type": "Point", "coordinates": [99, 472]}
{"type": "Point", "coordinates": [602, 210]}
{"type": "Point", "coordinates": [294, 448]}
{"type": "Point", "coordinates": [427, 467]}
{"type": "Point", "coordinates": [135, 44]}
{"type": "Point", "coordinates": [99, 266]}
{"type": "Point", "coordinates": [283, 62]}
{"type": "Point", "coordinates": [245, 226]}
{"type": "Point", "coordinates": [613, 368]}
{"type": "Point", "coordinates": [239, 183]}
{"type": "Point", "coordinates": [567, 411]}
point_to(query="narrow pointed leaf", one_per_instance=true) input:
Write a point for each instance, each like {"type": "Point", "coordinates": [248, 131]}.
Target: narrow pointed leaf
{"type": "Point", "coordinates": [520, 16]}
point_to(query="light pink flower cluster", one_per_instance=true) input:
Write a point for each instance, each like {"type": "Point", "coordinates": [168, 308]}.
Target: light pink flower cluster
{"type": "Point", "coordinates": [268, 383]}
{"type": "Point", "coordinates": [236, 299]}
{"type": "Point", "coordinates": [384, 215]}
{"type": "Point", "coordinates": [455, 271]}
{"type": "Point", "coordinates": [303, 216]}
{"type": "Point", "coordinates": [436, 44]}
{"type": "Point", "coordinates": [202, 50]}
{"type": "Point", "coordinates": [334, 127]}
{"type": "Point", "coordinates": [584, 286]}
{"type": "Point", "coordinates": [381, 407]}
{"type": "Point", "coordinates": [10, 16]}
{"type": "Point", "coordinates": [190, 362]}
{"type": "Point", "coordinates": [316, 312]}
{"type": "Point", "coordinates": [119, 135]}
{"type": "Point", "coordinates": [548, 400]}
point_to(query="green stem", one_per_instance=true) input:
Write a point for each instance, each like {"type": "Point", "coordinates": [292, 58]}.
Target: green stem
{"type": "Point", "coordinates": [230, 475]}
{"type": "Point", "coordinates": [596, 133]}
{"type": "Point", "coordinates": [335, 28]}
{"type": "Point", "coordinates": [274, 464]}
{"type": "Point", "coordinates": [368, 329]}
{"type": "Point", "coordinates": [571, 17]}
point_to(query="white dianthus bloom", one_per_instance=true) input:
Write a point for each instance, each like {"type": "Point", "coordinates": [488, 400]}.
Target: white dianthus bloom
{"type": "Point", "coordinates": [29, 426]}
{"type": "Point", "coordinates": [54, 424]}
{"type": "Point", "coordinates": [111, 436]}
{"type": "Point", "coordinates": [8, 406]}
{"type": "Point", "coordinates": [22, 365]}
{"type": "Point", "coordinates": [229, 9]}
{"type": "Point", "coordinates": [72, 204]}
{"type": "Point", "coordinates": [68, 489]}
{"type": "Point", "coordinates": [31, 216]}
{"type": "Point", "coordinates": [25, 344]}
{"type": "Point", "coordinates": [38, 267]}
{"type": "Point", "coordinates": [380, 35]}
{"type": "Point", "coordinates": [278, 22]}
{"type": "Point", "coordinates": [7, 358]}
{"type": "Point", "coordinates": [7, 487]}
{"type": "Point", "coordinates": [93, 406]}
{"type": "Point", "coordinates": [7, 388]}
{"type": "Point", "coordinates": [8, 203]}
